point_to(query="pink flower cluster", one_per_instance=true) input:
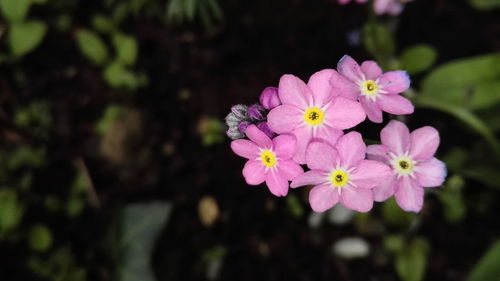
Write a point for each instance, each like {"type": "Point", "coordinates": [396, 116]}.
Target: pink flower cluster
{"type": "Point", "coordinates": [308, 121]}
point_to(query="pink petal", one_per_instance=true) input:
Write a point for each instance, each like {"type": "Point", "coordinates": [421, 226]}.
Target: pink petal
{"type": "Point", "coordinates": [344, 87]}
{"type": "Point", "coordinates": [386, 189]}
{"type": "Point", "coordinates": [344, 114]}
{"type": "Point", "coordinates": [276, 183]}
{"type": "Point", "coordinates": [284, 118]}
{"type": "Point", "coordinates": [409, 195]}
{"type": "Point", "coordinates": [357, 199]}
{"type": "Point", "coordinates": [396, 137]}
{"type": "Point", "coordinates": [303, 135]}
{"type": "Point", "coordinates": [370, 173]}
{"type": "Point", "coordinates": [319, 83]}
{"type": "Point", "coordinates": [321, 156]}
{"type": "Point", "coordinates": [348, 67]}
{"type": "Point", "coordinates": [395, 104]}
{"type": "Point", "coordinates": [312, 177]}
{"type": "Point", "coordinates": [395, 9]}
{"type": "Point", "coordinates": [372, 110]}
{"type": "Point", "coordinates": [328, 134]}
{"type": "Point", "coordinates": [254, 172]}
{"type": "Point", "coordinates": [351, 149]}
{"type": "Point", "coordinates": [293, 91]}
{"type": "Point", "coordinates": [361, 1]}
{"type": "Point", "coordinates": [343, 2]}
{"type": "Point", "coordinates": [245, 148]}
{"type": "Point", "coordinates": [285, 146]}
{"type": "Point", "coordinates": [377, 152]}
{"type": "Point", "coordinates": [371, 70]}
{"type": "Point", "coordinates": [430, 173]}
{"type": "Point", "coordinates": [424, 143]}
{"type": "Point", "coordinates": [289, 169]}
{"type": "Point", "coordinates": [323, 197]}
{"type": "Point", "coordinates": [258, 137]}
{"type": "Point", "coordinates": [394, 82]}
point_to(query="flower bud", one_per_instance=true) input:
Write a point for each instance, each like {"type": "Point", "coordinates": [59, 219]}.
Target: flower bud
{"type": "Point", "coordinates": [234, 133]}
{"type": "Point", "coordinates": [242, 127]}
{"type": "Point", "coordinates": [239, 111]}
{"type": "Point", "coordinates": [232, 120]}
{"type": "Point", "coordinates": [256, 113]}
{"type": "Point", "coordinates": [269, 98]}
{"type": "Point", "coordinates": [265, 128]}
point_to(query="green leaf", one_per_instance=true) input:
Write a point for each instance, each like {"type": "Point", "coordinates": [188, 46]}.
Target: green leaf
{"type": "Point", "coordinates": [411, 261]}
{"type": "Point", "coordinates": [112, 113]}
{"type": "Point", "coordinates": [472, 83]}
{"type": "Point", "coordinates": [40, 238]}
{"type": "Point", "coordinates": [485, 4]}
{"type": "Point", "coordinates": [461, 114]}
{"type": "Point", "coordinates": [126, 48]}
{"type": "Point", "coordinates": [379, 41]}
{"type": "Point", "coordinates": [92, 46]}
{"type": "Point", "coordinates": [293, 206]}
{"type": "Point", "coordinates": [418, 58]}
{"type": "Point", "coordinates": [394, 215]}
{"type": "Point", "coordinates": [141, 224]}
{"type": "Point", "coordinates": [490, 176]}
{"type": "Point", "coordinates": [26, 36]}
{"type": "Point", "coordinates": [118, 76]}
{"type": "Point", "coordinates": [102, 24]}
{"type": "Point", "coordinates": [11, 212]}
{"type": "Point", "coordinates": [452, 199]}
{"type": "Point", "coordinates": [487, 268]}
{"type": "Point", "coordinates": [15, 10]}
{"type": "Point", "coordinates": [393, 243]}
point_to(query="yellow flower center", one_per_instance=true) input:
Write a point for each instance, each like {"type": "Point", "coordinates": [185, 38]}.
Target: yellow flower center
{"type": "Point", "coordinates": [369, 88]}
{"type": "Point", "coordinates": [314, 116]}
{"type": "Point", "coordinates": [339, 178]}
{"type": "Point", "coordinates": [403, 165]}
{"type": "Point", "coordinates": [268, 158]}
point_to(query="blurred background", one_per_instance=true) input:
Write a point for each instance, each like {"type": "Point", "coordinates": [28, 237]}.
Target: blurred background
{"type": "Point", "coordinates": [114, 163]}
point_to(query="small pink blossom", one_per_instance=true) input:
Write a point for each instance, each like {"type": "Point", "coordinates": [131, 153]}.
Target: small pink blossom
{"type": "Point", "coordinates": [269, 98]}
{"type": "Point", "coordinates": [376, 91]}
{"type": "Point", "coordinates": [268, 160]}
{"type": "Point", "coordinates": [310, 111]}
{"type": "Point", "coordinates": [341, 174]}
{"type": "Point", "coordinates": [343, 2]}
{"type": "Point", "coordinates": [390, 7]}
{"type": "Point", "coordinates": [411, 157]}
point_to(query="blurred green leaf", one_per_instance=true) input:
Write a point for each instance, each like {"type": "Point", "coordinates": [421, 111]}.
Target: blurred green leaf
{"type": "Point", "coordinates": [293, 206]}
{"type": "Point", "coordinates": [40, 238]}
{"type": "Point", "coordinates": [411, 261]}
{"type": "Point", "coordinates": [26, 156]}
{"type": "Point", "coordinates": [487, 175]}
{"type": "Point", "coordinates": [487, 268]}
{"type": "Point", "coordinates": [393, 243]}
{"type": "Point", "coordinates": [102, 24]}
{"type": "Point", "coordinates": [418, 58]}
{"type": "Point", "coordinates": [26, 36]}
{"type": "Point", "coordinates": [215, 253]}
{"type": "Point", "coordinates": [92, 46]}
{"type": "Point", "coordinates": [15, 10]}
{"type": "Point", "coordinates": [141, 225]}
{"type": "Point", "coordinates": [11, 212]}
{"type": "Point", "coordinates": [471, 83]}
{"type": "Point", "coordinates": [395, 216]}
{"type": "Point", "coordinates": [485, 4]}
{"type": "Point", "coordinates": [59, 266]}
{"type": "Point", "coordinates": [461, 114]}
{"type": "Point", "coordinates": [74, 206]}
{"type": "Point", "coordinates": [112, 113]}
{"type": "Point", "coordinates": [126, 48]}
{"type": "Point", "coordinates": [452, 199]}
{"type": "Point", "coordinates": [118, 76]}
{"type": "Point", "coordinates": [379, 41]}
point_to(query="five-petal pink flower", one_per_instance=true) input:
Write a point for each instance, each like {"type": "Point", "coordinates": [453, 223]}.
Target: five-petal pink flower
{"type": "Point", "coordinates": [376, 91]}
{"type": "Point", "coordinates": [312, 111]}
{"type": "Point", "coordinates": [411, 156]}
{"type": "Point", "coordinates": [268, 160]}
{"type": "Point", "coordinates": [341, 174]}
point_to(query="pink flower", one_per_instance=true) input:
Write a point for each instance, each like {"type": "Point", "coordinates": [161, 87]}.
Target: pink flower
{"type": "Point", "coordinates": [341, 174]}
{"type": "Point", "coordinates": [312, 112]}
{"type": "Point", "coordinates": [411, 157]}
{"type": "Point", "coordinates": [268, 160]}
{"type": "Point", "coordinates": [376, 91]}
{"type": "Point", "coordinates": [343, 2]}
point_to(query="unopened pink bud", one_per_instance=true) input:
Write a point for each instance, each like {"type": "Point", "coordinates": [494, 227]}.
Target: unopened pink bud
{"type": "Point", "coordinates": [269, 98]}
